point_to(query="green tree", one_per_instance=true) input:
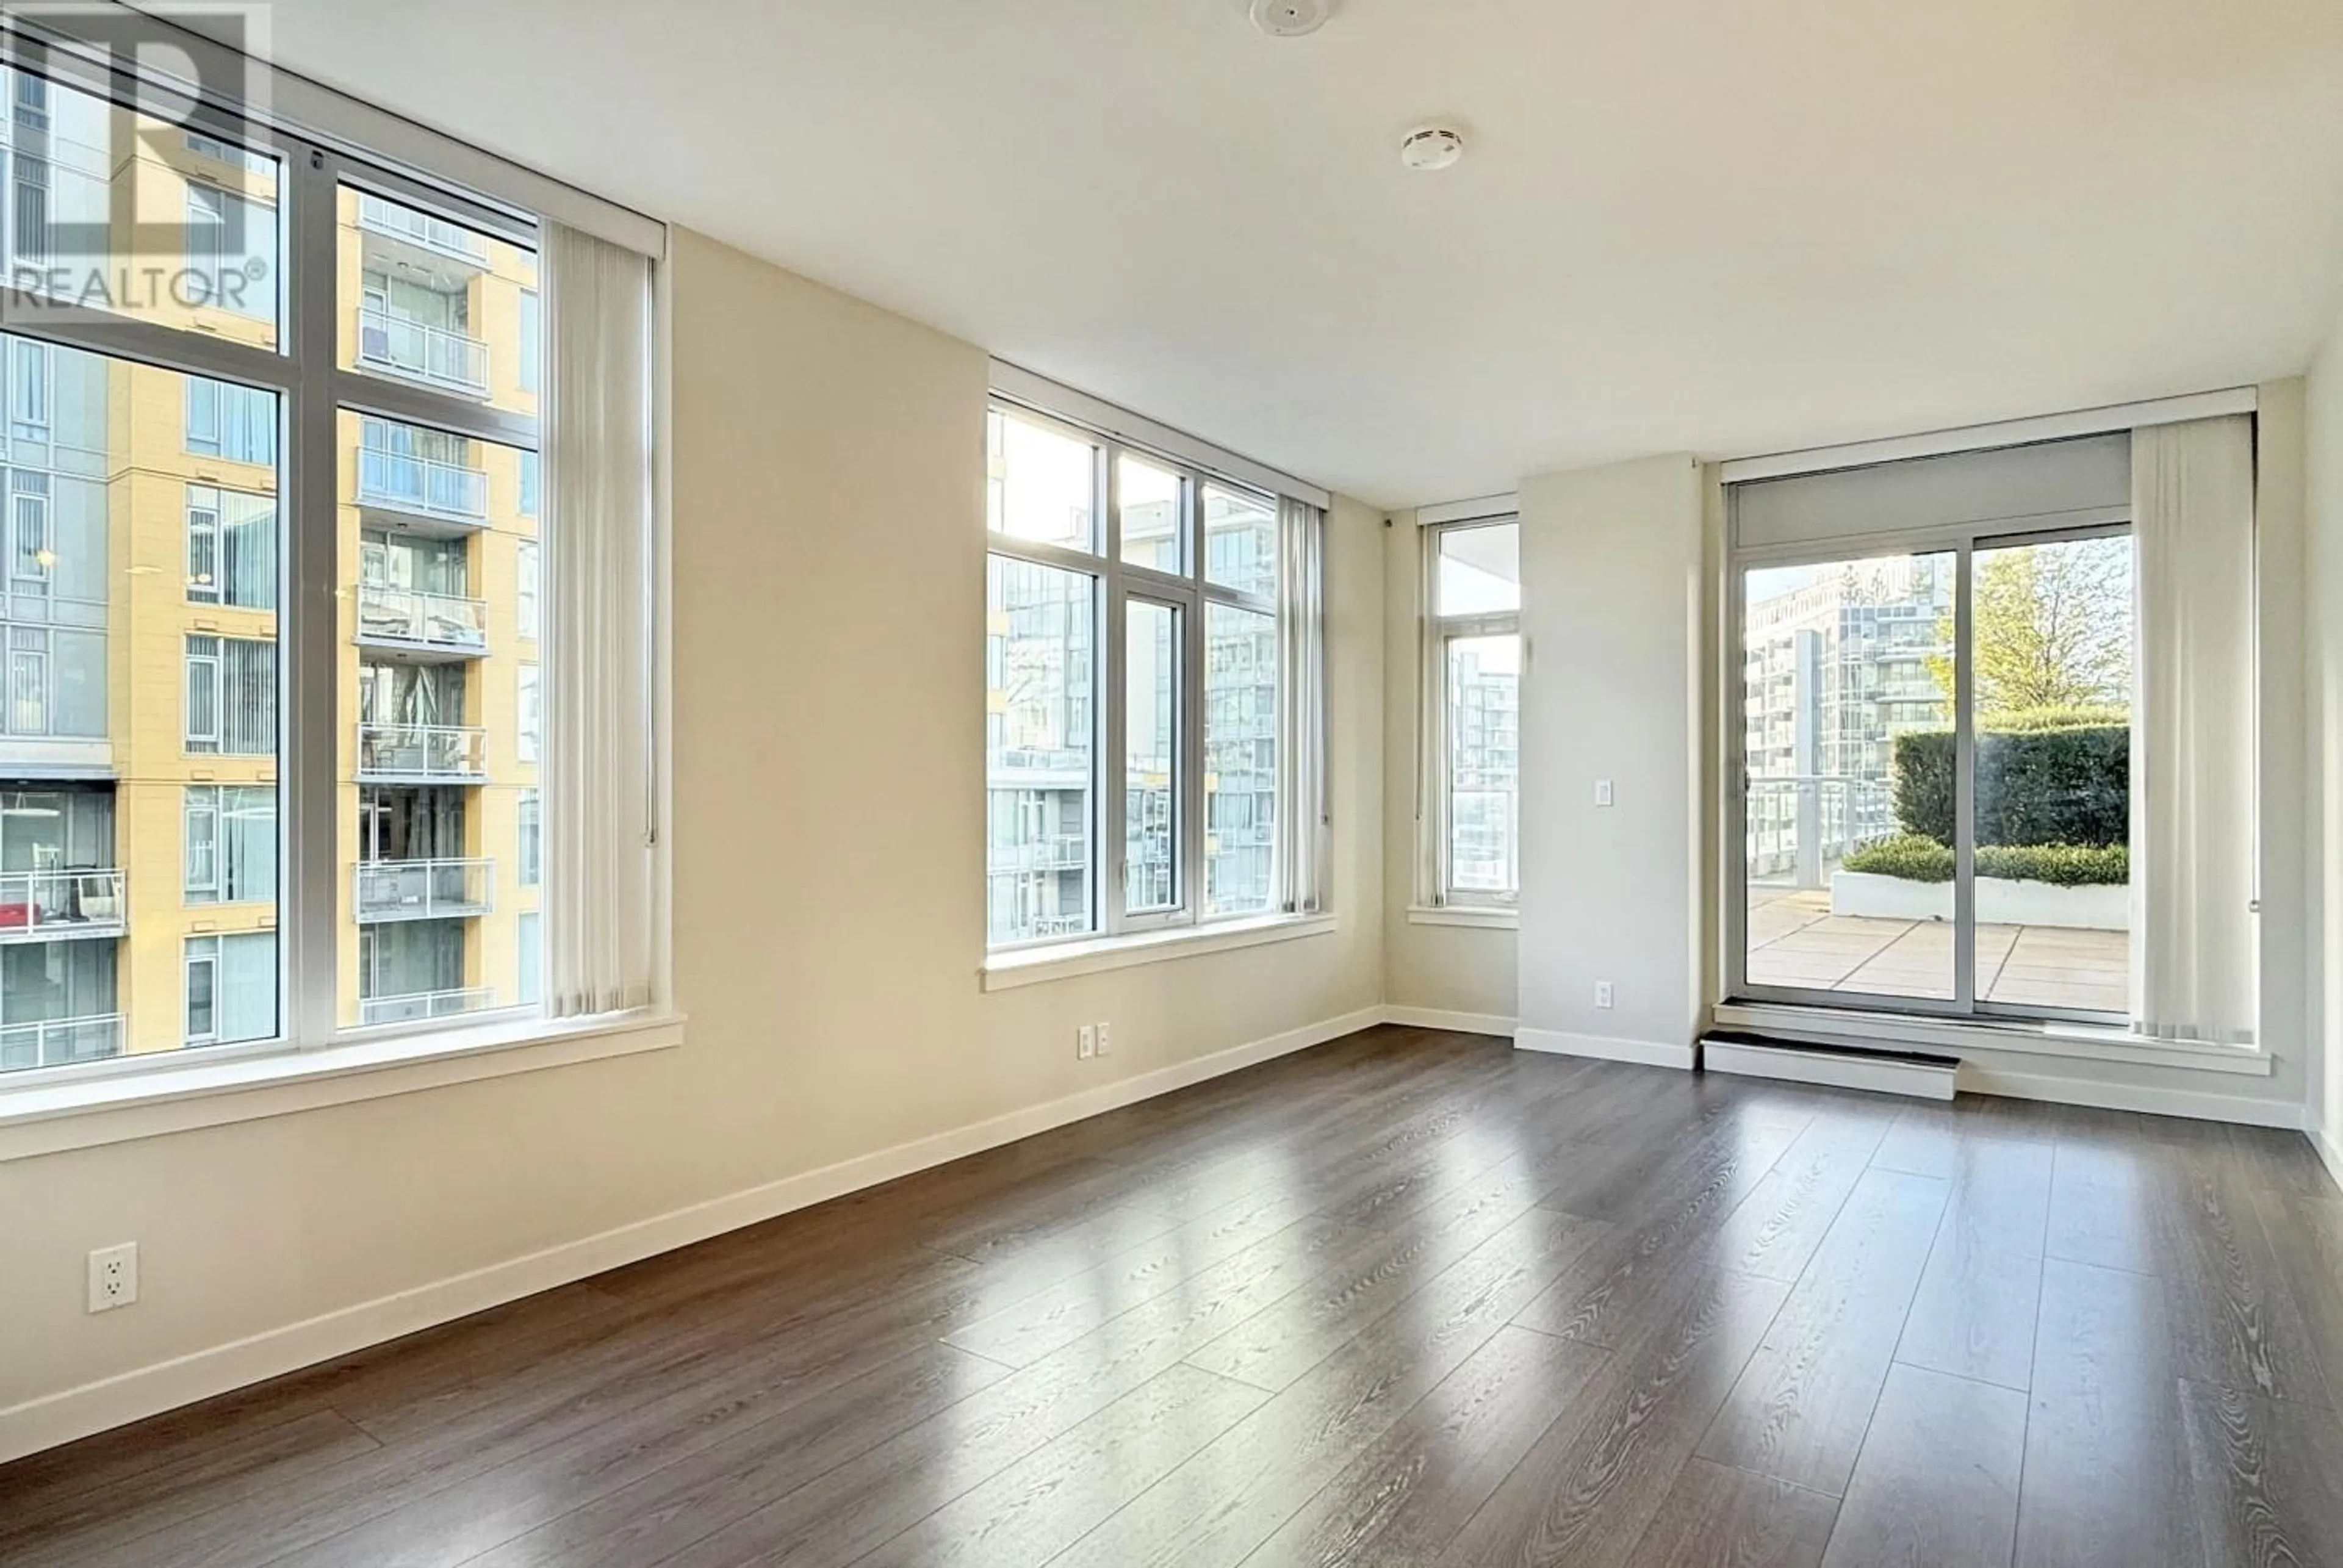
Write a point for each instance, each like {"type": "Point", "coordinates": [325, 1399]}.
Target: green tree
{"type": "Point", "coordinates": [2053, 627]}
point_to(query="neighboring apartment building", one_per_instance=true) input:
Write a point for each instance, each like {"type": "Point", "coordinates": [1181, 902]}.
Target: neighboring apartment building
{"type": "Point", "coordinates": [138, 739]}
{"type": "Point", "coordinates": [1484, 743]}
{"type": "Point", "coordinates": [1836, 662]}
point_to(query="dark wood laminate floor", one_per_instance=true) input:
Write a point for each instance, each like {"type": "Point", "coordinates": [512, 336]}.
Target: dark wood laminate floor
{"type": "Point", "coordinates": [1406, 1299]}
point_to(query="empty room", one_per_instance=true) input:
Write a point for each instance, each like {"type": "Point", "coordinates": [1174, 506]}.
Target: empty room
{"type": "Point", "coordinates": [1170, 784]}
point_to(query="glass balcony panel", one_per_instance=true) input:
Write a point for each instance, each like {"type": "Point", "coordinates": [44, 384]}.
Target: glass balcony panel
{"type": "Point", "coordinates": [396, 614]}
{"type": "Point", "coordinates": [425, 889]}
{"type": "Point", "coordinates": [395, 753]}
{"type": "Point", "coordinates": [428, 487]}
{"type": "Point", "coordinates": [436, 356]}
{"type": "Point", "coordinates": [59, 1042]}
{"type": "Point", "coordinates": [423, 1006]}
{"type": "Point", "coordinates": [41, 906]}
{"type": "Point", "coordinates": [398, 221]}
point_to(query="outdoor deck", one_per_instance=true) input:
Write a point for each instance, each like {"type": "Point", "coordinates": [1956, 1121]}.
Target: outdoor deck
{"type": "Point", "coordinates": [1796, 941]}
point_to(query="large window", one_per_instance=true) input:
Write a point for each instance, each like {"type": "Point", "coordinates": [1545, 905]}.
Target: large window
{"type": "Point", "coordinates": [1133, 613]}
{"type": "Point", "coordinates": [269, 589]}
{"type": "Point", "coordinates": [1471, 683]}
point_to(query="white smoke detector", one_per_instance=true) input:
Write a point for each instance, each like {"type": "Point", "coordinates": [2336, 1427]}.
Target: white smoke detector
{"type": "Point", "coordinates": [1431, 149]}
{"type": "Point", "coordinates": [1290, 18]}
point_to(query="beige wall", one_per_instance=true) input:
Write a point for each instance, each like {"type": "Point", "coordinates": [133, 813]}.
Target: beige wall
{"type": "Point", "coordinates": [829, 843]}
{"type": "Point", "coordinates": [1613, 564]}
{"type": "Point", "coordinates": [1444, 968]}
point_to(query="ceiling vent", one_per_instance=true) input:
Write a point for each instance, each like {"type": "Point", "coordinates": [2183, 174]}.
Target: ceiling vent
{"type": "Point", "coordinates": [1290, 18]}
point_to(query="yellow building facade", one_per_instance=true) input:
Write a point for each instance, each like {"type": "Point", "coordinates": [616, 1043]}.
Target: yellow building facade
{"type": "Point", "coordinates": [139, 834]}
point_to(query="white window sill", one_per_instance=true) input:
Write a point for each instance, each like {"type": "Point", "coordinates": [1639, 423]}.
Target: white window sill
{"type": "Point", "coordinates": [1064, 960]}
{"type": "Point", "coordinates": [183, 1090]}
{"type": "Point", "coordinates": [2013, 1035]}
{"type": "Point", "coordinates": [1483, 916]}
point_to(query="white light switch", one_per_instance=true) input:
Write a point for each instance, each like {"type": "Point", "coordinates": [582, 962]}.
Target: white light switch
{"type": "Point", "coordinates": [1602, 791]}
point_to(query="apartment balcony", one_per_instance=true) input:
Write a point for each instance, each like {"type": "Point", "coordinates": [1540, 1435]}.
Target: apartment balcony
{"type": "Point", "coordinates": [1046, 855]}
{"type": "Point", "coordinates": [428, 627]}
{"type": "Point", "coordinates": [434, 357]}
{"type": "Point", "coordinates": [422, 754]}
{"type": "Point", "coordinates": [442, 241]}
{"type": "Point", "coordinates": [59, 1042]}
{"type": "Point", "coordinates": [423, 889]}
{"type": "Point", "coordinates": [445, 498]}
{"type": "Point", "coordinates": [54, 906]}
{"type": "Point", "coordinates": [420, 1006]}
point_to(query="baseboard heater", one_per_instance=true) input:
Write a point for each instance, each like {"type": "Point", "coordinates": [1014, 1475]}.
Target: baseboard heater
{"type": "Point", "coordinates": [1880, 1071]}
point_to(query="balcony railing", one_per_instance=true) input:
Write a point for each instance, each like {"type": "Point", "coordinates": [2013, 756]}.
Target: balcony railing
{"type": "Point", "coordinates": [1042, 855]}
{"type": "Point", "coordinates": [55, 1042]}
{"type": "Point", "coordinates": [410, 618]}
{"type": "Point", "coordinates": [1800, 826]}
{"type": "Point", "coordinates": [421, 228]}
{"type": "Point", "coordinates": [419, 1006]}
{"type": "Point", "coordinates": [436, 356]}
{"type": "Point", "coordinates": [425, 889]}
{"type": "Point", "coordinates": [44, 906]}
{"type": "Point", "coordinates": [426, 486]}
{"type": "Point", "coordinates": [425, 753]}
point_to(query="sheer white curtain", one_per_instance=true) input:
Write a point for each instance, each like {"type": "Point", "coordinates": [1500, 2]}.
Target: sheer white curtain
{"type": "Point", "coordinates": [2193, 735]}
{"type": "Point", "coordinates": [1301, 665]}
{"type": "Point", "coordinates": [597, 563]}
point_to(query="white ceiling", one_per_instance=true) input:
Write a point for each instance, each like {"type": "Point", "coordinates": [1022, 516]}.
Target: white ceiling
{"type": "Point", "coordinates": [1712, 224]}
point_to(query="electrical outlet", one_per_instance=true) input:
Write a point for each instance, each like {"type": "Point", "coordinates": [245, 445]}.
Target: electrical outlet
{"type": "Point", "coordinates": [1603, 794]}
{"type": "Point", "coordinates": [113, 1277]}
{"type": "Point", "coordinates": [1105, 1039]}
{"type": "Point", "coordinates": [1086, 1042]}
{"type": "Point", "coordinates": [1602, 997]}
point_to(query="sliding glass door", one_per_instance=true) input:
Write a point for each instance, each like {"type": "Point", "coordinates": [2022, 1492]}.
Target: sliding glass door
{"type": "Point", "coordinates": [1934, 755]}
{"type": "Point", "coordinates": [2051, 679]}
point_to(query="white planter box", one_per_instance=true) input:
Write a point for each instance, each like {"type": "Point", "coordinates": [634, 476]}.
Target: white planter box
{"type": "Point", "coordinates": [2000, 902]}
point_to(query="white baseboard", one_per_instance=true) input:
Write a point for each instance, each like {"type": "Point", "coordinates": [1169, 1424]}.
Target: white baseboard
{"type": "Point", "coordinates": [1880, 1075]}
{"type": "Point", "coordinates": [2331, 1153]}
{"type": "Point", "coordinates": [76, 1413]}
{"type": "Point", "coordinates": [1643, 1052]}
{"type": "Point", "coordinates": [2200, 1104]}
{"type": "Point", "coordinates": [1443, 1018]}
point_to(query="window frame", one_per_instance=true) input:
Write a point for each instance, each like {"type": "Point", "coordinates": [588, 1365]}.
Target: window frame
{"type": "Point", "coordinates": [1115, 583]}
{"type": "Point", "coordinates": [1435, 865]}
{"type": "Point", "coordinates": [277, 405]}
{"type": "Point", "coordinates": [1963, 541]}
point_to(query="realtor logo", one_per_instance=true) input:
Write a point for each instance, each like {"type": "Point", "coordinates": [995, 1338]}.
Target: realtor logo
{"type": "Point", "coordinates": [129, 193]}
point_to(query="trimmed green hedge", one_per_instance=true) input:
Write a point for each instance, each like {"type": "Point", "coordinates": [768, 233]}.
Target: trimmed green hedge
{"type": "Point", "coordinates": [2061, 865]}
{"type": "Point", "coordinates": [2040, 781]}
{"type": "Point", "coordinates": [1911, 856]}
{"type": "Point", "coordinates": [1915, 858]}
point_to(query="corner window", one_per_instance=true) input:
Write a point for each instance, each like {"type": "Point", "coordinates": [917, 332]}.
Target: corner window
{"type": "Point", "coordinates": [1471, 686]}
{"type": "Point", "coordinates": [410, 582]}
